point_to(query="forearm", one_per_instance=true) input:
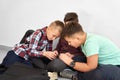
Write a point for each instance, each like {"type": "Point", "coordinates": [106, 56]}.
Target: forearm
{"type": "Point", "coordinates": [79, 66]}
{"type": "Point", "coordinates": [83, 67]}
{"type": "Point", "coordinates": [91, 63]}
{"type": "Point", "coordinates": [35, 53]}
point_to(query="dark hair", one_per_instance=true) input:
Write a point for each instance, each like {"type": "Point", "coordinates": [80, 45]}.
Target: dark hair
{"type": "Point", "coordinates": [71, 28]}
{"type": "Point", "coordinates": [71, 16]}
{"type": "Point", "coordinates": [28, 33]}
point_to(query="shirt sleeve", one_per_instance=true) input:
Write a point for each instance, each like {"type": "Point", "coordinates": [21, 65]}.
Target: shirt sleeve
{"type": "Point", "coordinates": [34, 39]}
{"type": "Point", "coordinates": [91, 48]}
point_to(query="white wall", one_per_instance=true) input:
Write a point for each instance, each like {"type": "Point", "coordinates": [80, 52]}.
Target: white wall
{"type": "Point", "coordinates": [17, 16]}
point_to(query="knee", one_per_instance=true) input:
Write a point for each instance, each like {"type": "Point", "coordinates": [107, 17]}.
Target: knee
{"type": "Point", "coordinates": [56, 65]}
{"type": "Point", "coordinates": [54, 68]}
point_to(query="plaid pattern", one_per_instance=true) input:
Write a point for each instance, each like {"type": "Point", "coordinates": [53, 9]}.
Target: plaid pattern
{"type": "Point", "coordinates": [37, 42]}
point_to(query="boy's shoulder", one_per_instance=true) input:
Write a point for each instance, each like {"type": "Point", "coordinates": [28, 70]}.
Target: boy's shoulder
{"type": "Point", "coordinates": [41, 30]}
{"type": "Point", "coordinates": [62, 41]}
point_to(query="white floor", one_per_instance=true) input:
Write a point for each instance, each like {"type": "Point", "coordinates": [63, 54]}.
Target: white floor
{"type": "Point", "coordinates": [5, 49]}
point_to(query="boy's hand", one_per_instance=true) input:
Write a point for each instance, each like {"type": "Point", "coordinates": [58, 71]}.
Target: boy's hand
{"type": "Point", "coordinates": [50, 54]}
{"type": "Point", "coordinates": [65, 58]}
{"type": "Point", "coordinates": [56, 52]}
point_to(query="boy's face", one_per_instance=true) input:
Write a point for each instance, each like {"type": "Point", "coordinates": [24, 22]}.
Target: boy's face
{"type": "Point", "coordinates": [52, 33]}
{"type": "Point", "coordinates": [74, 41]}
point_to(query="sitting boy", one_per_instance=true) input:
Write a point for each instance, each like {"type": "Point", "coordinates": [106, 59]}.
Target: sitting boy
{"type": "Point", "coordinates": [39, 40]}
{"type": "Point", "coordinates": [103, 56]}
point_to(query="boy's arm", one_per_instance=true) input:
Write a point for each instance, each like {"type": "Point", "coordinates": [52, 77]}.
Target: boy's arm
{"type": "Point", "coordinates": [92, 62]}
{"type": "Point", "coordinates": [32, 51]}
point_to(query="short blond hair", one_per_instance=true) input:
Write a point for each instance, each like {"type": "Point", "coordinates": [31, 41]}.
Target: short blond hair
{"type": "Point", "coordinates": [57, 25]}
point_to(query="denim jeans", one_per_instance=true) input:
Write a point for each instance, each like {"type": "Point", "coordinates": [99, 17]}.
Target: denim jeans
{"type": "Point", "coordinates": [11, 58]}
{"type": "Point", "coordinates": [102, 72]}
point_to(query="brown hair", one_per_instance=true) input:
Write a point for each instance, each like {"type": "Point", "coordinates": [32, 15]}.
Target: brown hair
{"type": "Point", "coordinates": [71, 16]}
{"type": "Point", "coordinates": [71, 28]}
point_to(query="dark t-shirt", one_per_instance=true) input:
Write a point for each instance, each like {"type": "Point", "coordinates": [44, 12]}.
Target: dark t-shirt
{"type": "Point", "coordinates": [63, 47]}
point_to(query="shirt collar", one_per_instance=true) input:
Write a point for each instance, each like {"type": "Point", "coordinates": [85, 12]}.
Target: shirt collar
{"type": "Point", "coordinates": [45, 33]}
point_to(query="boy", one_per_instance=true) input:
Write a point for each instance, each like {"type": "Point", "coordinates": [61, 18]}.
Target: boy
{"type": "Point", "coordinates": [39, 40]}
{"type": "Point", "coordinates": [103, 56]}
{"type": "Point", "coordinates": [63, 47]}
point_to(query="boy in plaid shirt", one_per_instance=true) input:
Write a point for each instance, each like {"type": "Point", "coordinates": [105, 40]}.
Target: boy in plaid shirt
{"type": "Point", "coordinates": [41, 39]}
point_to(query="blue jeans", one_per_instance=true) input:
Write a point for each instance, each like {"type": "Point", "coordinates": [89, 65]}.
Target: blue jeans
{"type": "Point", "coordinates": [102, 72]}
{"type": "Point", "coordinates": [11, 58]}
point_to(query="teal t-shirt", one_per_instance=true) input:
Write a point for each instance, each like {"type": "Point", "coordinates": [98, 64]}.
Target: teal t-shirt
{"type": "Point", "coordinates": [107, 51]}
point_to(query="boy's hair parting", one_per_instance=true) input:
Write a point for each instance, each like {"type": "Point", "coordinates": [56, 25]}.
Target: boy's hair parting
{"type": "Point", "coordinates": [71, 16]}
{"type": "Point", "coordinates": [71, 28]}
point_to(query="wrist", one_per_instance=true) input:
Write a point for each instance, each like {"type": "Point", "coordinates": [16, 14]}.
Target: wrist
{"type": "Point", "coordinates": [72, 64]}
{"type": "Point", "coordinates": [43, 53]}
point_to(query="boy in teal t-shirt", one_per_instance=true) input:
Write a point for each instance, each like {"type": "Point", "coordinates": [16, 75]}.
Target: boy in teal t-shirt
{"type": "Point", "coordinates": [108, 52]}
{"type": "Point", "coordinates": [103, 56]}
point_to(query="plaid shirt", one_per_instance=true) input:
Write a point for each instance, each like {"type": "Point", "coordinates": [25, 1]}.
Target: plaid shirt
{"type": "Point", "coordinates": [37, 42]}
